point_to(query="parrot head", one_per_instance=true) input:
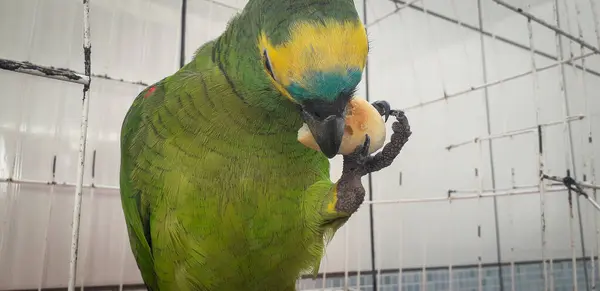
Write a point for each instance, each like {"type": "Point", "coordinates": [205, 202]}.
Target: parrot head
{"type": "Point", "coordinates": [313, 52]}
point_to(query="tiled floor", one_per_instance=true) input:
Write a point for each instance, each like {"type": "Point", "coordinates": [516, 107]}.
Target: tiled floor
{"type": "Point", "coordinates": [527, 276]}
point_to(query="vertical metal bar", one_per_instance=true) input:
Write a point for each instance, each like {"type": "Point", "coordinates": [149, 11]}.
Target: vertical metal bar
{"type": "Point", "coordinates": [512, 247]}
{"type": "Point", "coordinates": [369, 176]}
{"type": "Point", "coordinates": [183, 26]}
{"type": "Point", "coordinates": [324, 261]}
{"type": "Point", "coordinates": [358, 261]}
{"type": "Point", "coordinates": [378, 272]}
{"type": "Point", "coordinates": [409, 51]}
{"type": "Point", "coordinates": [47, 228]}
{"type": "Point", "coordinates": [441, 75]}
{"type": "Point", "coordinates": [551, 267]}
{"type": "Point", "coordinates": [591, 141]}
{"type": "Point", "coordinates": [592, 166]}
{"type": "Point", "coordinates": [589, 283]}
{"type": "Point", "coordinates": [82, 145]}
{"type": "Point", "coordinates": [572, 238]}
{"type": "Point", "coordinates": [400, 247]}
{"type": "Point", "coordinates": [346, 252]}
{"type": "Point", "coordinates": [124, 249]}
{"type": "Point", "coordinates": [451, 222]}
{"type": "Point", "coordinates": [424, 266]}
{"type": "Point", "coordinates": [479, 178]}
{"type": "Point", "coordinates": [88, 223]}
{"type": "Point", "coordinates": [570, 155]}
{"type": "Point", "coordinates": [540, 163]}
{"type": "Point", "coordinates": [450, 246]}
{"type": "Point", "coordinates": [490, 145]}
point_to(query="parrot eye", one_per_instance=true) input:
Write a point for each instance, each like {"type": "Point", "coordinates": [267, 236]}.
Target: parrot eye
{"type": "Point", "coordinates": [268, 64]}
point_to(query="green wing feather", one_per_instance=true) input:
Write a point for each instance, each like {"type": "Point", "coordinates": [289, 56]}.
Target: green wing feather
{"type": "Point", "coordinates": [136, 207]}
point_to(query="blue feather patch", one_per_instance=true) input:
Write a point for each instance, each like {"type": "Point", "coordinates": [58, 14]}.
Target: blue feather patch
{"type": "Point", "coordinates": [325, 85]}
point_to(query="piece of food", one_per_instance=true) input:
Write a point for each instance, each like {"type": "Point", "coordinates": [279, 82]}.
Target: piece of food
{"type": "Point", "coordinates": [362, 118]}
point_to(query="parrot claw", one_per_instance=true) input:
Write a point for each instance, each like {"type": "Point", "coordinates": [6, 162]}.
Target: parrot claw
{"type": "Point", "coordinates": [383, 107]}
{"type": "Point", "coordinates": [361, 153]}
{"type": "Point", "coordinates": [350, 191]}
{"type": "Point", "coordinates": [361, 163]}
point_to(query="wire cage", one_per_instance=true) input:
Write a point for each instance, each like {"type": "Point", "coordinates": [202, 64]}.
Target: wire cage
{"type": "Point", "coordinates": [496, 190]}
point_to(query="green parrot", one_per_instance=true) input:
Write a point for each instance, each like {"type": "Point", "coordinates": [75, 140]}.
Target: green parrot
{"type": "Point", "coordinates": [216, 190]}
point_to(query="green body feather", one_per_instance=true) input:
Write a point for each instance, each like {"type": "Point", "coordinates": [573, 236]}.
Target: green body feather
{"type": "Point", "coordinates": [216, 190]}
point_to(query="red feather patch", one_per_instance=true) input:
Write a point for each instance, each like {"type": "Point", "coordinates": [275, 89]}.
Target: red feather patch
{"type": "Point", "coordinates": [150, 91]}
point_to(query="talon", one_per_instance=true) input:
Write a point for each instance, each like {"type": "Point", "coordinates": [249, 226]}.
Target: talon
{"type": "Point", "coordinates": [360, 163]}
{"type": "Point", "coordinates": [365, 147]}
{"type": "Point", "coordinates": [401, 125]}
{"type": "Point", "coordinates": [361, 153]}
{"type": "Point", "coordinates": [396, 113]}
{"type": "Point", "coordinates": [383, 107]}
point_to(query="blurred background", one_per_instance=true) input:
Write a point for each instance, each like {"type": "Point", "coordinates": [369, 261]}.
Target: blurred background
{"type": "Point", "coordinates": [498, 93]}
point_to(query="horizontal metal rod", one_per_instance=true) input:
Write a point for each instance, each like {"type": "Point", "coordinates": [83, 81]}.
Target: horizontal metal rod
{"type": "Point", "coordinates": [582, 184]}
{"type": "Point", "coordinates": [549, 26]}
{"type": "Point", "coordinates": [450, 197]}
{"type": "Point", "coordinates": [516, 190]}
{"type": "Point", "coordinates": [398, 8]}
{"type": "Point", "coordinates": [107, 77]}
{"type": "Point", "coordinates": [42, 71]}
{"type": "Point", "coordinates": [490, 137]}
{"type": "Point", "coordinates": [472, 191]}
{"type": "Point", "coordinates": [59, 184]}
{"type": "Point", "coordinates": [493, 83]}
{"type": "Point", "coordinates": [593, 202]}
{"type": "Point", "coordinates": [588, 185]}
{"type": "Point", "coordinates": [492, 35]}
{"type": "Point", "coordinates": [531, 129]}
{"type": "Point", "coordinates": [124, 287]}
{"type": "Point", "coordinates": [66, 75]}
{"type": "Point", "coordinates": [223, 5]}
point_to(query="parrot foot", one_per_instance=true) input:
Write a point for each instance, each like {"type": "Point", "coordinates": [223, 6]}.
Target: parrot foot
{"type": "Point", "coordinates": [359, 163]}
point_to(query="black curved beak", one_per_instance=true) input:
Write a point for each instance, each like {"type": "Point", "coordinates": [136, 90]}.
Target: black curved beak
{"type": "Point", "coordinates": [327, 126]}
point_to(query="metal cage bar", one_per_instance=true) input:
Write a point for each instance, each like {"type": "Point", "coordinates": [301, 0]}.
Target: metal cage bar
{"type": "Point", "coordinates": [87, 52]}
{"type": "Point", "coordinates": [480, 31]}
{"type": "Point", "coordinates": [66, 75]}
{"type": "Point", "coordinates": [556, 29]}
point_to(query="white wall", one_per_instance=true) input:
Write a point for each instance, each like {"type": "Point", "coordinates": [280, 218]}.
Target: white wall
{"type": "Point", "coordinates": [415, 58]}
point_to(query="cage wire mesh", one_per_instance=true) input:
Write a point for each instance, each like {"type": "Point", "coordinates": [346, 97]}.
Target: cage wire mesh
{"type": "Point", "coordinates": [495, 191]}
